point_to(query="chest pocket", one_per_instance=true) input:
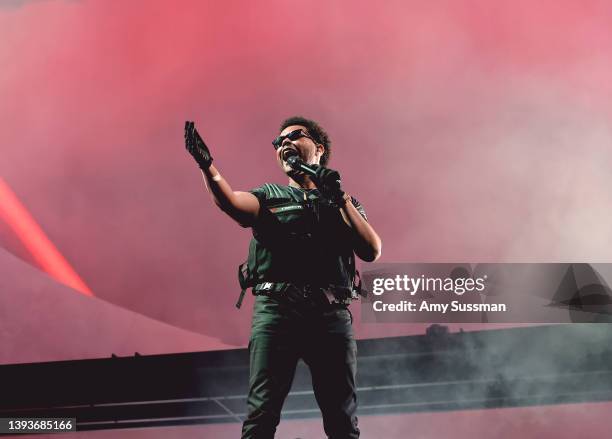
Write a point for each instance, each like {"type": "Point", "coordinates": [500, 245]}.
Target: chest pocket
{"type": "Point", "coordinates": [286, 220]}
{"type": "Point", "coordinates": [286, 208]}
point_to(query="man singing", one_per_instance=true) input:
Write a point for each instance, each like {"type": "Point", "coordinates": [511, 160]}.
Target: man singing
{"type": "Point", "coordinates": [301, 267]}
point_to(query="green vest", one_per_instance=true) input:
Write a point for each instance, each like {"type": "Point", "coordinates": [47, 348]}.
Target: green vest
{"type": "Point", "coordinates": [299, 238]}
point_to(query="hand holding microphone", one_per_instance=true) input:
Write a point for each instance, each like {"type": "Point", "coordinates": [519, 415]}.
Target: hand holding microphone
{"type": "Point", "coordinates": [327, 180]}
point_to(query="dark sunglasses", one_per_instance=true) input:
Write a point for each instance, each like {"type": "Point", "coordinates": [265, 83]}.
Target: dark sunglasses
{"type": "Point", "coordinates": [293, 135]}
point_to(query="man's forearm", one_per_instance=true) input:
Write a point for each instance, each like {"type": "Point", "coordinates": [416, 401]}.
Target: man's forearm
{"type": "Point", "coordinates": [368, 245]}
{"type": "Point", "coordinates": [219, 189]}
{"type": "Point", "coordinates": [241, 206]}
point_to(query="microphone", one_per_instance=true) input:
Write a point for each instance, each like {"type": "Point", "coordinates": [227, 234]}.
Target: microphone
{"type": "Point", "coordinates": [298, 165]}
{"type": "Point", "coordinates": [330, 187]}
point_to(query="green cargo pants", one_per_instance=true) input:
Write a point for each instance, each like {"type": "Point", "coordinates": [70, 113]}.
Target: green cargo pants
{"type": "Point", "coordinates": [283, 331]}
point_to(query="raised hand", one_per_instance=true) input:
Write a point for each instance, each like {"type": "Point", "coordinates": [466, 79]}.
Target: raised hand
{"type": "Point", "coordinates": [196, 146]}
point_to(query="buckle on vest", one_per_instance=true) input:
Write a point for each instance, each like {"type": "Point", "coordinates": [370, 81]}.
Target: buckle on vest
{"type": "Point", "coordinates": [267, 286]}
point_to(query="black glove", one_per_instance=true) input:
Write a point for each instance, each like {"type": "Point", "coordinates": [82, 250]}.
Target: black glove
{"type": "Point", "coordinates": [328, 182]}
{"type": "Point", "coordinates": [196, 146]}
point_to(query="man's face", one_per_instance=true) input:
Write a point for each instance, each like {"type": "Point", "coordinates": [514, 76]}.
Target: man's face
{"type": "Point", "coordinates": [306, 148]}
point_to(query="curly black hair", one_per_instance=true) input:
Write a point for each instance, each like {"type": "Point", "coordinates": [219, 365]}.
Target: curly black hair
{"type": "Point", "coordinates": [314, 129]}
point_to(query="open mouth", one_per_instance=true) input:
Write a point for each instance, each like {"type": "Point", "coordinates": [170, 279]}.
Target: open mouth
{"type": "Point", "coordinates": [289, 152]}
